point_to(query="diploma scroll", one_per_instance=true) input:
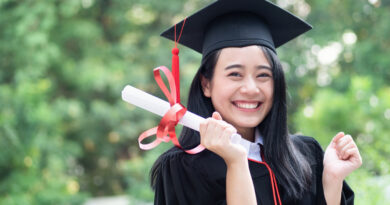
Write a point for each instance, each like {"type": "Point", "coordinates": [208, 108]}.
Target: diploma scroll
{"type": "Point", "coordinates": [159, 107]}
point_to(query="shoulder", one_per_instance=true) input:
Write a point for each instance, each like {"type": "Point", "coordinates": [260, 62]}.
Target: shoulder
{"type": "Point", "coordinates": [182, 178]}
{"type": "Point", "coordinates": [309, 147]}
{"type": "Point", "coordinates": [305, 142]}
{"type": "Point", "coordinates": [205, 164]}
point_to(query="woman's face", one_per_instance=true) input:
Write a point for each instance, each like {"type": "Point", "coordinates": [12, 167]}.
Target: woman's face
{"type": "Point", "coordinates": [241, 89]}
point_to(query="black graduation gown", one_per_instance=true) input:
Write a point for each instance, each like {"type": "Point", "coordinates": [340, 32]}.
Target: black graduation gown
{"type": "Point", "coordinates": [200, 178]}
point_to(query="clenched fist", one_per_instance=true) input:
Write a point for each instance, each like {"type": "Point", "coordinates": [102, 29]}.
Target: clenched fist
{"type": "Point", "coordinates": [341, 157]}
{"type": "Point", "coordinates": [215, 136]}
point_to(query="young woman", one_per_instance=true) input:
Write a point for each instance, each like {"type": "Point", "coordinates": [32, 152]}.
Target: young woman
{"type": "Point", "coordinates": [240, 87]}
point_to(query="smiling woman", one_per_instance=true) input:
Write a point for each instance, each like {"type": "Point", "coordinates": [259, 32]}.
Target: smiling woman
{"type": "Point", "coordinates": [240, 87]}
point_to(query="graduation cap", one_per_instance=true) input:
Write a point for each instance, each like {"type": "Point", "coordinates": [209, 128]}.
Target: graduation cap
{"type": "Point", "coordinates": [238, 23]}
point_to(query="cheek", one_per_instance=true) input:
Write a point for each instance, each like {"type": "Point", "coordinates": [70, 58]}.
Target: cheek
{"type": "Point", "coordinates": [269, 92]}
{"type": "Point", "coordinates": [219, 97]}
{"type": "Point", "coordinates": [220, 89]}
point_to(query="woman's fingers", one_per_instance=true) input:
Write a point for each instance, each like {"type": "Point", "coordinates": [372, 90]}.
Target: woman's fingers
{"type": "Point", "coordinates": [343, 153]}
{"type": "Point", "coordinates": [342, 157]}
{"type": "Point", "coordinates": [352, 155]}
{"type": "Point", "coordinates": [217, 116]}
{"type": "Point", "coordinates": [348, 153]}
{"type": "Point", "coordinates": [206, 130]}
{"type": "Point", "coordinates": [338, 137]}
{"type": "Point", "coordinates": [343, 141]}
{"type": "Point", "coordinates": [215, 132]}
{"type": "Point", "coordinates": [343, 144]}
{"type": "Point", "coordinates": [347, 149]}
{"type": "Point", "coordinates": [216, 137]}
{"type": "Point", "coordinates": [219, 119]}
{"type": "Point", "coordinates": [227, 133]}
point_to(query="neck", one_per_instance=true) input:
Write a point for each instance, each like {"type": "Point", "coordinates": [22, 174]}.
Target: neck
{"type": "Point", "coordinates": [247, 133]}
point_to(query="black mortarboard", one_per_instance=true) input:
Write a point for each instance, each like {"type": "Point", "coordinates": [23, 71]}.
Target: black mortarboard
{"type": "Point", "coordinates": [238, 23]}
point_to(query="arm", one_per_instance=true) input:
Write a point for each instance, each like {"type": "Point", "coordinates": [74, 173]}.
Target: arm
{"type": "Point", "coordinates": [340, 159]}
{"type": "Point", "coordinates": [215, 136]}
{"type": "Point", "coordinates": [239, 185]}
{"type": "Point", "coordinates": [332, 188]}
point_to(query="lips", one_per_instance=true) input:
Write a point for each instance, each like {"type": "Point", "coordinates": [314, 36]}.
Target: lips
{"type": "Point", "coordinates": [247, 105]}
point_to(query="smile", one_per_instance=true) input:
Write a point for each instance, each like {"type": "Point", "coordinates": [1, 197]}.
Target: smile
{"type": "Point", "coordinates": [247, 105]}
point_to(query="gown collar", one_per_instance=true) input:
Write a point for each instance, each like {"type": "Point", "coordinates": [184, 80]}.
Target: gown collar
{"type": "Point", "coordinates": [253, 147]}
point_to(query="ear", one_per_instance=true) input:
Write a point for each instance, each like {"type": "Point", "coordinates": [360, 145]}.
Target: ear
{"type": "Point", "coordinates": [205, 86]}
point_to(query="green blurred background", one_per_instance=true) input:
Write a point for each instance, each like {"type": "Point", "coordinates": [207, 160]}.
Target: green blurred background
{"type": "Point", "coordinates": [66, 136]}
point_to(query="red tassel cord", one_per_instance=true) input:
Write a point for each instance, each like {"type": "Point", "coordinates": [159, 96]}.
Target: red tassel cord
{"type": "Point", "coordinates": [175, 62]}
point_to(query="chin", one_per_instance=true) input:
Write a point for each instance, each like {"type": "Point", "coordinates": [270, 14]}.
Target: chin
{"type": "Point", "coordinates": [251, 124]}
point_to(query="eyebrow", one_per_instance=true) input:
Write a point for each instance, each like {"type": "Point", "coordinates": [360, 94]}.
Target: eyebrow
{"type": "Point", "coordinates": [241, 66]}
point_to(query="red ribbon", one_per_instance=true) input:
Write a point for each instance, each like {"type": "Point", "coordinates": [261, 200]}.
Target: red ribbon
{"type": "Point", "coordinates": [175, 61]}
{"type": "Point", "coordinates": [274, 183]}
{"type": "Point", "coordinates": [165, 131]}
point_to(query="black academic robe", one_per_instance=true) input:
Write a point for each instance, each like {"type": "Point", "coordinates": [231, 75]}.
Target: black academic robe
{"type": "Point", "coordinates": [200, 178]}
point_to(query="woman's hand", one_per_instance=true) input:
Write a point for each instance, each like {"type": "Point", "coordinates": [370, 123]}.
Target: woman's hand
{"type": "Point", "coordinates": [215, 136]}
{"type": "Point", "coordinates": [341, 157]}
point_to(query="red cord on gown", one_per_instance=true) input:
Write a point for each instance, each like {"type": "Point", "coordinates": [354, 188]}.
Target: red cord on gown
{"type": "Point", "coordinates": [274, 183]}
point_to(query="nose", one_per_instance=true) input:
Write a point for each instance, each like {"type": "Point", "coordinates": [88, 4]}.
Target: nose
{"type": "Point", "coordinates": [249, 87]}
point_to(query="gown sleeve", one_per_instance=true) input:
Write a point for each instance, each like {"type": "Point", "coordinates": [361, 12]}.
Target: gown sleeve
{"type": "Point", "coordinates": [180, 181]}
{"type": "Point", "coordinates": [347, 195]}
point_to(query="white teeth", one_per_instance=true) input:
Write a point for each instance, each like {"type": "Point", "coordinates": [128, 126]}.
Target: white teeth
{"type": "Point", "coordinates": [247, 105]}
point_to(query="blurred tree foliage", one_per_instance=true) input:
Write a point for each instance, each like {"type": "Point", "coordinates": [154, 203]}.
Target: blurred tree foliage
{"type": "Point", "coordinates": [66, 135]}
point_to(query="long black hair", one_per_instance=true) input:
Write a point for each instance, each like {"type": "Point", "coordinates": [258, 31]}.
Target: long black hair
{"type": "Point", "coordinates": [291, 169]}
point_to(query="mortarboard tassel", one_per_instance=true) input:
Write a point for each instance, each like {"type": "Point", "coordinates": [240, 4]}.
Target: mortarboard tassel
{"type": "Point", "coordinates": [175, 71]}
{"type": "Point", "coordinates": [175, 63]}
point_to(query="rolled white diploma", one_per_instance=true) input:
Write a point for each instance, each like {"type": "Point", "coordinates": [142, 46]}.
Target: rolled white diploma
{"type": "Point", "coordinates": [157, 106]}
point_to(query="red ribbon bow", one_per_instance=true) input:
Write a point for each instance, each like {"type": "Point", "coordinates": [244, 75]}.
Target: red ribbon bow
{"type": "Point", "coordinates": [165, 131]}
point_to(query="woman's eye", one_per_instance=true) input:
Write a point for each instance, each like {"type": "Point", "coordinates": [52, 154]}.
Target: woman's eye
{"type": "Point", "coordinates": [264, 75]}
{"type": "Point", "coordinates": [234, 74]}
